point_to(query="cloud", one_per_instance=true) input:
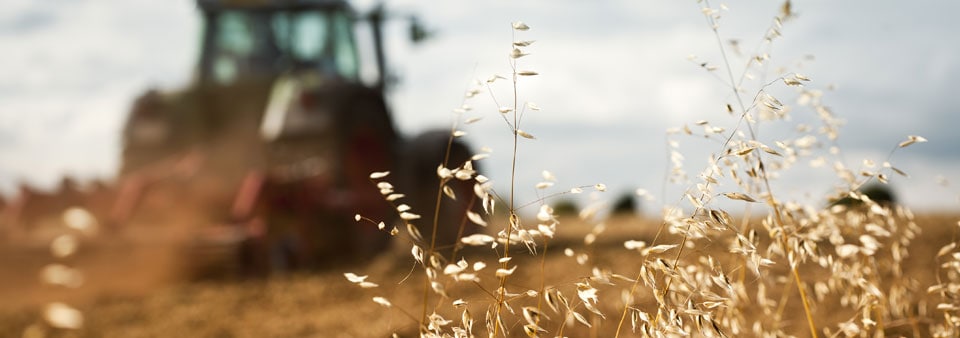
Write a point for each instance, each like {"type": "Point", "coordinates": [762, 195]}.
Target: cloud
{"type": "Point", "coordinates": [78, 67]}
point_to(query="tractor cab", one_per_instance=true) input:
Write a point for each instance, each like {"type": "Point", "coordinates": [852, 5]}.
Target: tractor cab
{"type": "Point", "coordinates": [270, 74]}
{"type": "Point", "coordinates": [257, 40]}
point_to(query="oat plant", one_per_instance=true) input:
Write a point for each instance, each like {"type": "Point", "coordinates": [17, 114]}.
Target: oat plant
{"type": "Point", "coordinates": [733, 256]}
{"type": "Point", "coordinates": [442, 275]}
{"type": "Point", "coordinates": [782, 256]}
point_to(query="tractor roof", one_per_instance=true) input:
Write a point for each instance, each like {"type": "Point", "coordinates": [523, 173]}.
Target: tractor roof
{"type": "Point", "coordinates": [218, 5]}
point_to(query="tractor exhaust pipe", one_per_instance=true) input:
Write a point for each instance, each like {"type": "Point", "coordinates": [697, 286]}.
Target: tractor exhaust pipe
{"type": "Point", "coordinates": [377, 16]}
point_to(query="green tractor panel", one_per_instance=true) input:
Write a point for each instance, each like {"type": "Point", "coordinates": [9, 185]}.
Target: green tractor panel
{"type": "Point", "coordinates": [265, 157]}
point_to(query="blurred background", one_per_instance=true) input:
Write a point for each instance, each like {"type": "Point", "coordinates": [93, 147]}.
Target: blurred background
{"type": "Point", "coordinates": [144, 143]}
{"type": "Point", "coordinates": [614, 76]}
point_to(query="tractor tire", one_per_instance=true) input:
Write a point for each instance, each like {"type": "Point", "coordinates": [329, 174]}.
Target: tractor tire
{"type": "Point", "coordinates": [422, 156]}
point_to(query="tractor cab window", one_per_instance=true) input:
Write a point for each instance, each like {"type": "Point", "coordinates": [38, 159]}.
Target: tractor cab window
{"type": "Point", "coordinates": [345, 48]}
{"type": "Point", "coordinates": [247, 43]}
{"type": "Point", "coordinates": [241, 47]}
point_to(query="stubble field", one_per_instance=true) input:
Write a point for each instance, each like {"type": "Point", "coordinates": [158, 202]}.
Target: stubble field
{"type": "Point", "coordinates": [139, 294]}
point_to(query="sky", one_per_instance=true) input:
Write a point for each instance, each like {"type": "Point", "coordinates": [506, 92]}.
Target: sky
{"type": "Point", "coordinates": [614, 76]}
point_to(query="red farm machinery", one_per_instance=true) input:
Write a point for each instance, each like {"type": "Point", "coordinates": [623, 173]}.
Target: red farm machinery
{"type": "Point", "coordinates": [262, 161]}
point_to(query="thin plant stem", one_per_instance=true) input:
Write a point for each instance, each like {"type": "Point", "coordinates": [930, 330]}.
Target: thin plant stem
{"type": "Point", "coordinates": [513, 216]}
{"type": "Point", "coordinates": [436, 220]}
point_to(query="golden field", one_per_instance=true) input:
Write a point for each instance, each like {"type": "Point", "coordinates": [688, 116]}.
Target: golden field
{"type": "Point", "coordinates": [140, 295]}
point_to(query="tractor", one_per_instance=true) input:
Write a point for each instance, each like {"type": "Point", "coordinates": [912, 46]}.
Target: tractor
{"type": "Point", "coordinates": [263, 160]}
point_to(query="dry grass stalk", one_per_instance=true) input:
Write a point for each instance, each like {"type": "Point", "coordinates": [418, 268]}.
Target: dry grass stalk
{"type": "Point", "coordinates": [729, 259]}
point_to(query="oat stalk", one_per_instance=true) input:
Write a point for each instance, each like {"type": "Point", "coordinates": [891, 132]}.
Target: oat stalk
{"type": "Point", "coordinates": [514, 219]}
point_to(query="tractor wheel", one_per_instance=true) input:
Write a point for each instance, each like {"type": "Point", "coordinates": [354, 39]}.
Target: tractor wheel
{"type": "Point", "coordinates": [421, 158]}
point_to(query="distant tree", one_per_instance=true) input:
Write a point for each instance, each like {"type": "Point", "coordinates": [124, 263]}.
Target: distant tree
{"type": "Point", "coordinates": [880, 193]}
{"type": "Point", "coordinates": [626, 204]}
{"type": "Point", "coordinates": [565, 207]}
